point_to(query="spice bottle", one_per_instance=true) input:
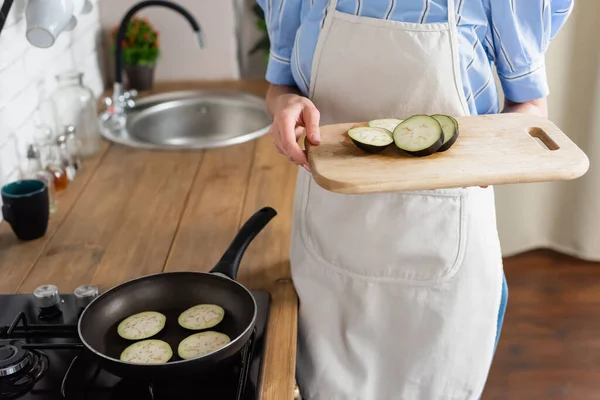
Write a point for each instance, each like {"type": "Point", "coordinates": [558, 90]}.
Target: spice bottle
{"type": "Point", "coordinates": [54, 166]}
{"type": "Point", "coordinates": [66, 160]}
{"type": "Point", "coordinates": [73, 146]}
{"type": "Point", "coordinates": [35, 170]}
{"type": "Point", "coordinates": [45, 143]}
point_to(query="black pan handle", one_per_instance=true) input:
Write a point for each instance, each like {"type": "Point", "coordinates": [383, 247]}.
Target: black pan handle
{"type": "Point", "coordinates": [230, 262]}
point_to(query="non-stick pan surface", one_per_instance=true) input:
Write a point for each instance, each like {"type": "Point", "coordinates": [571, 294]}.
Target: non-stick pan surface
{"type": "Point", "coordinates": [172, 293]}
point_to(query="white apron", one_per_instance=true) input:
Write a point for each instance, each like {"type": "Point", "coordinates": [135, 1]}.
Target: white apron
{"type": "Point", "coordinates": [399, 292]}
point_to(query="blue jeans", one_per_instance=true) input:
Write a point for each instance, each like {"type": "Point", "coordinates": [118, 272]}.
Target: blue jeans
{"type": "Point", "coordinates": [502, 310]}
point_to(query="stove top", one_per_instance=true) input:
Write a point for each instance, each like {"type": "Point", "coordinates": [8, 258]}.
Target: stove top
{"type": "Point", "coordinates": [42, 358]}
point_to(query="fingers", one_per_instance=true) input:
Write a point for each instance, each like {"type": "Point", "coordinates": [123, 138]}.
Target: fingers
{"type": "Point", "coordinates": [311, 116]}
{"type": "Point", "coordinates": [288, 140]}
{"type": "Point", "coordinates": [298, 115]}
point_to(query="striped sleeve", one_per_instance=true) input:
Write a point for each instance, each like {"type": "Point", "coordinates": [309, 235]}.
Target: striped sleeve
{"type": "Point", "coordinates": [522, 32]}
{"type": "Point", "coordinates": [282, 18]}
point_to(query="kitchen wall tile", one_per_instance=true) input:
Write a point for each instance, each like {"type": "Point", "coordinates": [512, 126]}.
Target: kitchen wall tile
{"type": "Point", "coordinates": [36, 59]}
{"type": "Point", "coordinates": [12, 80]}
{"type": "Point", "coordinates": [14, 114]}
{"type": "Point", "coordinates": [9, 157]}
{"type": "Point", "coordinates": [86, 43]}
{"type": "Point", "coordinates": [11, 46]}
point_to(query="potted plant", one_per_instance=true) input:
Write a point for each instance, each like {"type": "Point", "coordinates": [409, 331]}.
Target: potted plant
{"type": "Point", "coordinates": [140, 52]}
{"type": "Point", "coordinates": [263, 44]}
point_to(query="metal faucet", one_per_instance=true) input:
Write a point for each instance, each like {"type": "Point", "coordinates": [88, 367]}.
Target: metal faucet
{"type": "Point", "coordinates": [124, 100]}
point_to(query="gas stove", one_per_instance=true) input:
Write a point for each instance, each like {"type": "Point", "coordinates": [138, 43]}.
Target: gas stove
{"type": "Point", "coordinates": [42, 358]}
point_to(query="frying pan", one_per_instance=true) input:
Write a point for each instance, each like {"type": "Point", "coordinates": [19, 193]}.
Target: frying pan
{"type": "Point", "coordinates": [172, 293]}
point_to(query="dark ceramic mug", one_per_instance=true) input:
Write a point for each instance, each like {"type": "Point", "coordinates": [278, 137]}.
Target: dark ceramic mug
{"type": "Point", "coordinates": [25, 206]}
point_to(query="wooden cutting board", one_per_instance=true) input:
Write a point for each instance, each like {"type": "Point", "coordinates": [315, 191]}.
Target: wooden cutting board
{"type": "Point", "coordinates": [490, 150]}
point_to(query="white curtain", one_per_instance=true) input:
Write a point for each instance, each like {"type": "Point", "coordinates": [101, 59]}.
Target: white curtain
{"type": "Point", "coordinates": [564, 216]}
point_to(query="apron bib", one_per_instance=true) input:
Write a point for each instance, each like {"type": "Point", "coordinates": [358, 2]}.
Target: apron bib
{"type": "Point", "coordinates": [399, 292]}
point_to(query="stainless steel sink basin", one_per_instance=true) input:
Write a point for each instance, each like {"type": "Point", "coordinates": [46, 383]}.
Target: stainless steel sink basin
{"type": "Point", "coordinates": [193, 120]}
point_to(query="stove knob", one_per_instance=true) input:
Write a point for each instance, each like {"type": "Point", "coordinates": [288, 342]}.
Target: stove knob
{"type": "Point", "coordinates": [85, 294]}
{"type": "Point", "coordinates": [47, 296]}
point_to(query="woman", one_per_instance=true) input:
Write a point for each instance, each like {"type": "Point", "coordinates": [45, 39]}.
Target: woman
{"type": "Point", "coordinates": [402, 295]}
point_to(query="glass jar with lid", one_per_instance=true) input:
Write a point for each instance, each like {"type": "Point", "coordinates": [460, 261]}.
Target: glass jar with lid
{"type": "Point", "coordinates": [75, 105]}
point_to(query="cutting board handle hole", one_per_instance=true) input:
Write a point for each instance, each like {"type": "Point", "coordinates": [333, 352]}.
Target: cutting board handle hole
{"type": "Point", "coordinates": [543, 139]}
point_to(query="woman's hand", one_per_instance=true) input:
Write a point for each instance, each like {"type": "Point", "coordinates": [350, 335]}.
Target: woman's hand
{"type": "Point", "coordinates": [292, 115]}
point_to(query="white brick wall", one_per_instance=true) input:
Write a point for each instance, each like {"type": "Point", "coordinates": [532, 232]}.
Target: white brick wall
{"type": "Point", "coordinates": [27, 77]}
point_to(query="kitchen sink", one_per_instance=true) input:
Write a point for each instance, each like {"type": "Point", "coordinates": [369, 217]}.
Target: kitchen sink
{"type": "Point", "coordinates": [192, 119]}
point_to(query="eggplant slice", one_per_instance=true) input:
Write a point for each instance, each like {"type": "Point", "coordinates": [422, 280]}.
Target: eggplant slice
{"type": "Point", "coordinates": [450, 129]}
{"type": "Point", "coordinates": [150, 351]}
{"type": "Point", "coordinates": [142, 325]}
{"type": "Point", "coordinates": [419, 135]}
{"type": "Point", "coordinates": [369, 139]}
{"type": "Point", "coordinates": [200, 344]}
{"type": "Point", "coordinates": [201, 316]}
{"type": "Point", "coordinates": [386, 123]}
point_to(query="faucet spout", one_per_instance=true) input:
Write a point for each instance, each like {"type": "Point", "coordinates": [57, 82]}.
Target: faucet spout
{"type": "Point", "coordinates": [200, 38]}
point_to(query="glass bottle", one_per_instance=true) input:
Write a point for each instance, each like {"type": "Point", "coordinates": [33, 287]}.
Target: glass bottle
{"type": "Point", "coordinates": [75, 105]}
{"type": "Point", "coordinates": [73, 146]}
{"type": "Point", "coordinates": [35, 170]}
{"type": "Point", "coordinates": [45, 141]}
{"type": "Point", "coordinates": [66, 160]}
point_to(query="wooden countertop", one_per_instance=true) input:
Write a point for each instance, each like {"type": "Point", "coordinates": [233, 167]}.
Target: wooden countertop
{"type": "Point", "coordinates": [132, 212]}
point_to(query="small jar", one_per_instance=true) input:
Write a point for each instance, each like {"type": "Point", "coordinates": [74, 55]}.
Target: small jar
{"type": "Point", "coordinates": [50, 158]}
{"type": "Point", "coordinates": [73, 146]}
{"type": "Point", "coordinates": [66, 160]}
{"type": "Point", "coordinates": [75, 105]}
{"type": "Point", "coordinates": [35, 170]}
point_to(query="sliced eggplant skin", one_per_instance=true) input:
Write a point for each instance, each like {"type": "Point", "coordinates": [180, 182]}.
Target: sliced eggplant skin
{"type": "Point", "coordinates": [146, 324]}
{"type": "Point", "coordinates": [432, 147]}
{"type": "Point", "coordinates": [149, 351]}
{"type": "Point", "coordinates": [384, 135]}
{"type": "Point", "coordinates": [201, 316]}
{"type": "Point", "coordinates": [201, 344]}
{"type": "Point", "coordinates": [448, 142]}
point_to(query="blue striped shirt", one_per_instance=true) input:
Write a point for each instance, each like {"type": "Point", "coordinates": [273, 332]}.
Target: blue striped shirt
{"type": "Point", "coordinates": [512, 35]}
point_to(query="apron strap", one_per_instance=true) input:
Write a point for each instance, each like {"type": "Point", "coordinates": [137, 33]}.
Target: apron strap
{"type": "Point", "coordinates": [332, 5]}
{"type": "Point", "coordinates": [451, 13]}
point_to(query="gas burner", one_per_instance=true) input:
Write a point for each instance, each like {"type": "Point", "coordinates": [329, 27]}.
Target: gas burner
{"type": "Point", "coordinates": [13, 358]}
{"type": "Point", "coordinates": [20, 369]}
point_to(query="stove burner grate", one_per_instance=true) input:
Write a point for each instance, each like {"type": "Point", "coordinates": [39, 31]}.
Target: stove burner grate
{"type": "Point", "coordinates": [22, 364]}
{"type": "Point", "coordinates": [29, 367]}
